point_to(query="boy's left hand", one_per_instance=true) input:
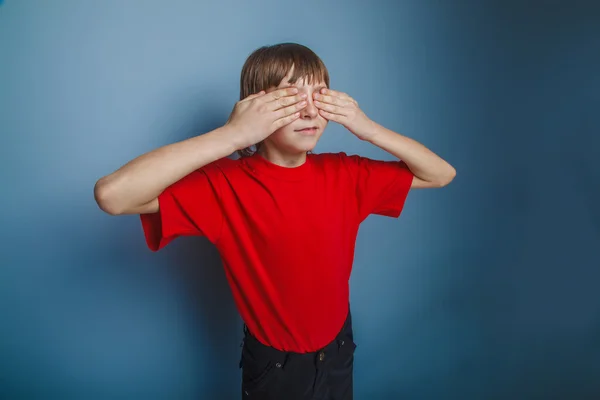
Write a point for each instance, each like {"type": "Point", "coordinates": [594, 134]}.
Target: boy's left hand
{"type": "Point", "coordinates": [343, 109]}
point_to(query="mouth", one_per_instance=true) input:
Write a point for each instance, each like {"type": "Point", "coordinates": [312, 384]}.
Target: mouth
{"type": "Point", "coordinates": [311, 130]}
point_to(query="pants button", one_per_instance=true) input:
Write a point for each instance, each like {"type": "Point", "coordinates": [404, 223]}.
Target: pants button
{"type": "Point", "coordinates": [321, 356]}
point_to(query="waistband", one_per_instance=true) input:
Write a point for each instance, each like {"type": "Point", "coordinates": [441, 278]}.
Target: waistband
{"type": "Point", "coordinates": [344, 337]}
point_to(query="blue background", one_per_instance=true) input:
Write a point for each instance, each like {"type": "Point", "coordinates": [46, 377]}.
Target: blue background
{"type": "Point", "coordinates": [486, 289]}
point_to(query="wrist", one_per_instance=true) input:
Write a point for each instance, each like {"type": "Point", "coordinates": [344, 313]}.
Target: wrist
{"type": "Point", "coordinates": [371, 131]}
{"type": "Point", "coordinates": [232, 137]}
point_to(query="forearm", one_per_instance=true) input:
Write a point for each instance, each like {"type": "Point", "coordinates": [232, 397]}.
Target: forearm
{"type": "Point", "coordinates": [142, 179]}
{"type": "Point", "coordinates": [424, 164]}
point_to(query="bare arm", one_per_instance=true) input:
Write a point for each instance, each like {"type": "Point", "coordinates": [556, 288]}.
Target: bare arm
{"type": "Point", "coordinates": [135, 187]}
{"type": "Point", "coordinates": [429, 169]}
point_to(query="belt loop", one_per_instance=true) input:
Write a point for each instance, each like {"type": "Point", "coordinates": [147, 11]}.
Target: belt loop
{"type": "Point", "coordinates": [285, 359]}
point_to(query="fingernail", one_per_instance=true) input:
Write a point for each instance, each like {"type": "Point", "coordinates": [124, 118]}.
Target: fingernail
{"type": "Point", "coordinates": [303, 95]}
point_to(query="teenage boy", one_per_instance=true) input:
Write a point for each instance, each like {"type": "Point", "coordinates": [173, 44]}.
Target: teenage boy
{"type": "Point", "coordinates": [283, 219]}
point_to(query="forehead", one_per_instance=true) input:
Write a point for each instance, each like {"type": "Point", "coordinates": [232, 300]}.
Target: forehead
{"type": "Point", "coordinates": [302, 83]}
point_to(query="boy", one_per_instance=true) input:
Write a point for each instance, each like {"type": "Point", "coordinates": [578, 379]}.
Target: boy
{"type": "Point", "coordinates": [283, 219]}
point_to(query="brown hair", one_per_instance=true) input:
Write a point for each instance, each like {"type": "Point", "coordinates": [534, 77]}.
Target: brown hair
{"type": "Point", "coordinates": [268, 65]}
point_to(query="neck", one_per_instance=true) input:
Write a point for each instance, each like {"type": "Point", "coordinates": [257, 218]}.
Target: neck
{"type": "Point", "coordinates": [281, 158]}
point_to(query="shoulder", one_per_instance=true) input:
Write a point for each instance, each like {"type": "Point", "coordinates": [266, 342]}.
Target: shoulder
{"type": "Point", "coordinates": [340, 160]}
{"type": "Point", "coordinates": [334, 158]}
{"type": "Point", "coordinates": [360, 166]}
{"type": "Point", "coordinates": [340, 165]}
{"type": "Point", "coordinates": [222, 166]}
{"type": "Point", "coordinates": [213, 174]}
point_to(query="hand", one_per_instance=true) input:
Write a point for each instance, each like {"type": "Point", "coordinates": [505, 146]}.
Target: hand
{"type": "Point", "coordinates": [259, 115]}
{"type": "Point", "coordinates": [343, 109]}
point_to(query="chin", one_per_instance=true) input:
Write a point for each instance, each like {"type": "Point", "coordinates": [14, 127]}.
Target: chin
{"type": "Point", "coordinates": [298, 149]}
{"type": "Point", "coordinates": [307, 144]}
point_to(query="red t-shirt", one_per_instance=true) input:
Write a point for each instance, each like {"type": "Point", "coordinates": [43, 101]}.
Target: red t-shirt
{"type": "Point", "coordinates": [286, 236]}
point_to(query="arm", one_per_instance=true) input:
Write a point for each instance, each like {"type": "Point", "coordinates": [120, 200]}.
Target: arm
{"type": "Point", "coordinates": [429, 170]}
{"type": "Point", "coordinates": [134, 188]}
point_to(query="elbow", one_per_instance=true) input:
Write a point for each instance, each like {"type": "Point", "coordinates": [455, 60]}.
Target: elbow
{"type": "Point", "coordinates": [105, 197]}
{"type": "Point", "coordinates": [450, 175]}
{"type": "Point", "coordinates": [446, 177]}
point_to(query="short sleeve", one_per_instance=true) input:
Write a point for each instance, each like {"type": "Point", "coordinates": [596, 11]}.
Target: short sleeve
{"type": "Point", "coordinates": [189, 207]}
{"type": "Point", "coordinates": [381, 186]}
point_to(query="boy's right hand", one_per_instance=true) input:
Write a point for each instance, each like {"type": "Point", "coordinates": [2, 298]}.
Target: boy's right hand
{"type": "Point", "coordinates": [259, 115]}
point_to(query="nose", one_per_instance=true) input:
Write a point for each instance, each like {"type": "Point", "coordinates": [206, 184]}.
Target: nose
{"type": "Point", "coordinates": [310, 111]}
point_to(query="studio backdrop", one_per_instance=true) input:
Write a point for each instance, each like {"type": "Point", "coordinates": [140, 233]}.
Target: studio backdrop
{"type": "Point", "coordinates": [485, 289]}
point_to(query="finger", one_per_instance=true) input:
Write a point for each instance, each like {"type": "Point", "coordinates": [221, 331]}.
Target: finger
{"type": "Point", "coordinates": [284, 112]}
{"type": "Point", "coordinates": [330, 99]}
{"type": "Point", "coordinates": [279, 93]}
{"type": "Point", "coordinates": [330, 108]}
{"type": "Point", "coordinates": [286, 120]}
{"type": "Point", "coordinates": [330, 116]}
{"type": "Point", "coordinates": [336, 93]}
{"type": "Point", "coordinates": [255, 95]}
{"type": "Point", "coordinates": [286, 101]}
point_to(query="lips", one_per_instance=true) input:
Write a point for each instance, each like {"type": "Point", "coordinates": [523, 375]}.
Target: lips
{"type": "Point", "coordinates": [308, 129]}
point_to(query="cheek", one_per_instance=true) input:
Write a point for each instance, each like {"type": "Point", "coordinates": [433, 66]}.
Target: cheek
{"type": "Point", "coordinates": [281, 135]}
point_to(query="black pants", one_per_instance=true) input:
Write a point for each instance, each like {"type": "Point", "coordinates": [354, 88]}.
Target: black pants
{"type": "Point", "coordinates": [270, 374]}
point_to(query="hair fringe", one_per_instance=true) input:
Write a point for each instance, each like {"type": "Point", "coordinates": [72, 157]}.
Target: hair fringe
{"type": "Point", "coordinates": [266, 67]}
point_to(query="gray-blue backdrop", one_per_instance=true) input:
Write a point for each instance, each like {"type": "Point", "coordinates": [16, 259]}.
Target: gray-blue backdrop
{"type": "Point", "coordinates": [486, 289]}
